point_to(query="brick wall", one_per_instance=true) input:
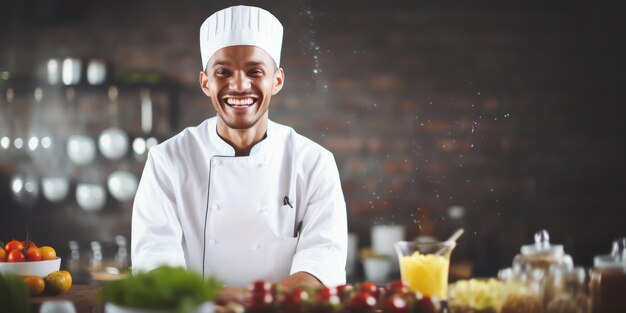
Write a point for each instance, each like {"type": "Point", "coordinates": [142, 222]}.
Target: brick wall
{"type": "Point", "coordinates": [510, 111]}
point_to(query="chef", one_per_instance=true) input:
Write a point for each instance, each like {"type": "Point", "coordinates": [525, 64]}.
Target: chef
{"type": "Point", "coordinates": [240, 197]}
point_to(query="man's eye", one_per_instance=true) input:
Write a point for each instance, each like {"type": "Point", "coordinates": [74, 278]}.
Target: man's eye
{"type": "Point", "coordinates": [256, 72]}
{"type": "Point", "coordinates": [222, 72]}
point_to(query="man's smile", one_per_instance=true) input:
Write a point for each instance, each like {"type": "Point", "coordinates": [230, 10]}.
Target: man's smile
{"type": "Point", "coordinates": [239, 102]}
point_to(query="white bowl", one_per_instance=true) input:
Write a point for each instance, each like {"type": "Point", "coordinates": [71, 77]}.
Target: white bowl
{"type": "Point", "coordinates": [39, 268]}
{"type": "Point", "coordinates": [207, 307]}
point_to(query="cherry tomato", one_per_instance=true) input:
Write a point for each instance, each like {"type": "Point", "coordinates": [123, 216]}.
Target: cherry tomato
{"type": "Point", "coordinates": [398, 287]}
{"type": "Point", "coordinates": [327, 301]}
{"type": "Point", "coordinates": [3, 255]}
{"type": "Point", "coordinates": [261, 285]}
{"type": "Point", "coordinates": [13, 245]}
{"type": "Point", "coordinates": [362, 302]}
{"type": "Point", "coordinates": [345, 291]}
{"type": "Point", "coordinates": [371, 288]}
{"type": "Point", "coordinates": [35, 284]}
{"type": "Point", "coordinates": [30, 243]}
{"type": "Point", "coordinates": [296, 301]}
{"type": "Point", "coordinates": [16, 255]}
{"type": "Point", "coordinates": [47, 253]}
{"type": "Point", "coordinates": [425, 305]}
{"type": "Point", "coordinates": [395, 304]}
{"type": "Point", "coordinates": [33, 254]}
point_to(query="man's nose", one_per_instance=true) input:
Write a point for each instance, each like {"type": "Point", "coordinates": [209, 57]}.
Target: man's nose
{"type": "Point", "coordinates": [239, 82]}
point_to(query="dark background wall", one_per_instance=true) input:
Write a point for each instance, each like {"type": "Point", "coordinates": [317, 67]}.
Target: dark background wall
{"type": "Point", "coordinates": [511, 111]}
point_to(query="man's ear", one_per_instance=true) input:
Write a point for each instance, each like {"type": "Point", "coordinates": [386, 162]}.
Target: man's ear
{"type": "Point", "coordinates": [204, 83]}
{"type": "Point", "coordinates": [279, 80]}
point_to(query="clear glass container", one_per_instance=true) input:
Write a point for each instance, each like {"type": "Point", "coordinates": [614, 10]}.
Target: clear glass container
{"type": "Point", "coordinates": [542, 254]}
{"type": "Point", "coordinates": [607, 284]}
{"type": "Point", "coordinates": [424, 266]}
{"type": "Point", "coordinates": [523, 290]}
{"type": "Point", "coordinates": [565, 290]}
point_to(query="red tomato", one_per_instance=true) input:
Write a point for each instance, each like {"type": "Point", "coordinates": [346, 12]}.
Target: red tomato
{"type": "Point", "coordinates": [398, 287]}
{"type": "Point", "coordinates": [16, 255]}
{"type": "Point", "coordinates": [371, 288]}
{"type": "Point", "coordinates": [260, 285]}
{"type": "Point", "coordinates": [13, 245]}
{"type": "Point", "coordinates": [425, 305]}
{"type": "Point", "coordinates": [33, 254]}
{"type": "Point", "coordinates": [395, 304]}
{"type": "Point", "coordinates": [30, 244]}
{"type": "Point", "coordinates": [362, 302]}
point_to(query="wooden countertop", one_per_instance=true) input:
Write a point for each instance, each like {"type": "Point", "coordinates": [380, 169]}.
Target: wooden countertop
{"type": "Point", "coordinates": [84, 298]}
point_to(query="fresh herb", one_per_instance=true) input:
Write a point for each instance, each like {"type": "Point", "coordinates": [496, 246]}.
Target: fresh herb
{"type": "Point", "coordinates": [14, 294]}
{"type": "Point", "coordinates": [165, 288]}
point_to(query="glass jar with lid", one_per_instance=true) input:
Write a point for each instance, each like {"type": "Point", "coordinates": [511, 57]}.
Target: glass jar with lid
{"type": "Point", "coordinates": [565, 290]}
{"type": "Point", "coordinates": [523, 290]}
{"type": "Point", "coordinates": [608, 280]}
{"type": "Point", "coordinates": [542, 254]}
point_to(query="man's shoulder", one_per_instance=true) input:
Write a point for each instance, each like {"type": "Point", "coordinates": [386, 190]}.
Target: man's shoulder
{"type": "Point", "coordinates": [187, 139]}
{"type": "Point", "coordinates": [302, 145]}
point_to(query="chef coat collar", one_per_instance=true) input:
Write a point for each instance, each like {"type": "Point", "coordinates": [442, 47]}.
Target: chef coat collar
{"type": "Point", "coordinates": [223, 148]}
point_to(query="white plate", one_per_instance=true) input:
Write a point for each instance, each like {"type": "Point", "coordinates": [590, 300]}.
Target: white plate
{"type": "Point", "coordinates": [39, 268]}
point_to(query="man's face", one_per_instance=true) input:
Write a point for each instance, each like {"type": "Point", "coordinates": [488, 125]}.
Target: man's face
{"type": "Point", "coordinates": [241, 80]}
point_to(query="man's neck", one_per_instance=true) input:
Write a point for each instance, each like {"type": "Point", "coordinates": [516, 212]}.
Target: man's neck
{"type": "Point", "coordinates": [242, 140]}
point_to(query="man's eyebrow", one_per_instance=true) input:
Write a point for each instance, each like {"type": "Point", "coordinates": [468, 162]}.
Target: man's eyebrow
{"type": "Point", "coordinates": [255, 63]}
{"type": "Point", "coordinates": [226, 63]}
{"type": "Point", "coordinates": [220, 62]}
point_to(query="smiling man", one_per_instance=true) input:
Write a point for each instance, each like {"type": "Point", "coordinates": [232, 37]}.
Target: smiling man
{"type": "Point", "coordinates": [240, 197]}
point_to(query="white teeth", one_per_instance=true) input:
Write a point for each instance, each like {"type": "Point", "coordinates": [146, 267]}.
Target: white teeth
{"type": "Point", "coordinates": [244, 101]}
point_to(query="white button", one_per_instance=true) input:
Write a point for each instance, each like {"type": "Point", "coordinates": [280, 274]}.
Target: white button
{"type": "Point", "coordinates": [218, 162]}
{"type": "Point", "coordinates": [211, 242]}
{"type": "Point", "coordinates": [216, 207]}
{"type": "Point", "coordinates": [261, 164]}
{"type": "Point", "coordinates": [265, 210]}
{"type": "Point", "coordinates": [255, 246]}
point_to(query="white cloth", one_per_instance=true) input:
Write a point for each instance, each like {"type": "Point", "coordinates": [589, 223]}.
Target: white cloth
{"type": "Point", "coordinates": [200, 207]}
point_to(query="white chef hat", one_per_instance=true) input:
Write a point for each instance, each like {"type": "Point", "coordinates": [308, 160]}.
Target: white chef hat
{"type": "Point", "coordinates": [241, 25]}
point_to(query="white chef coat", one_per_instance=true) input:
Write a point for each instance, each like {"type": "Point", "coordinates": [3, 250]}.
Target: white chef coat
{"type": "Point", "coordinates": [200, 207]}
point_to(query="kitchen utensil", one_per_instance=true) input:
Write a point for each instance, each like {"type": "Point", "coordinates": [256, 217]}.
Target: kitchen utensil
{"type": "Point", "coordinates": [91, 192]}
{"type": "Point", "coordinates": [122, 185]}
{"type": "Point", "coordinates": [55, 188]}
{"type": "Point", "coordinates": [96, 71]}
{"type": "Point", "coordinates": [40, 141]}
{"type": "Point", "coordinates": [142, 144]}
{"type": "Point", "coordinates": [53, 71]}
{"type": "Point", "coordinates": [90, 197]}
{"type": "Point", "coordinates": [25, 181]}
{"type": "Point", "coordinates": [113, 141]}
{"type": "Point", "coordinates": [25, 186]}
{"type": "Point", "coordinates": [70, 72]}
{"type": "Point", "coordinates": [5, 125]}
{"type": "Point", "coordinates": [81, 148]}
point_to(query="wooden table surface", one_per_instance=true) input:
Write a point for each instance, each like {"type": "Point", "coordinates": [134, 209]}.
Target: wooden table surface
{"type": "Point", "coordinates": [84, 298]}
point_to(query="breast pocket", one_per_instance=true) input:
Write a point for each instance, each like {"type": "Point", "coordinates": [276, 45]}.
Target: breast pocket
{"type": "Point", "coordinates": [281, 220]}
